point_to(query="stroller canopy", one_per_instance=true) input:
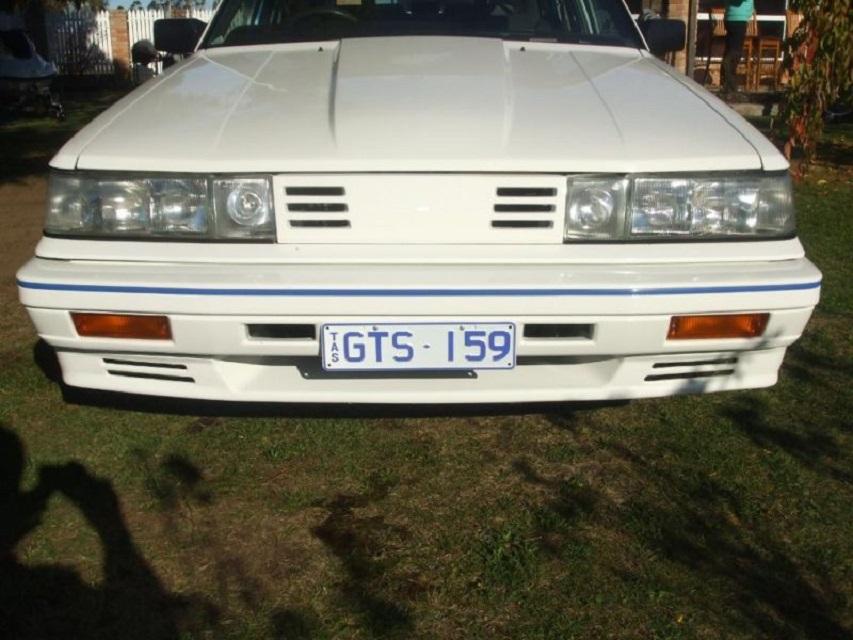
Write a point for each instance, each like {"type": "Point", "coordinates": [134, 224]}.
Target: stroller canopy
{"type": "Point", "coordinates": [19, 59]}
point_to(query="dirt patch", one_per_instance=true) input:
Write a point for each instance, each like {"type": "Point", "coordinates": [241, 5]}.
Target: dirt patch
{"type": "Point", "coordinates": [21, 217]}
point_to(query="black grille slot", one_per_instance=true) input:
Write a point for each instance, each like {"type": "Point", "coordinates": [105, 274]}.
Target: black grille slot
{"type": "Point", "coordinates": [522, 224]}
{"type": "Point", "coordinates": [150, 376]}
{"type": "Point", "coordinates": [319, 223]}
{"type": "Point", "coordinates": [558, 331]}
{"type": "Point", "coordinates": [314, 191]}
{"type": "Point", "coordinates": [524, 208]}
{"type": "Point", "coordinates": [282, 331]}
{"type": "Point", "coordinates": [689, 375]}
{"type": "Point", "coordinates": [137, 363]}
{"type": "Point", "coordinates": [694, 363]}
{"type": "Point", "coordinates": [527, 192]}
{"type": "Point", "coordinates": [317, 206]}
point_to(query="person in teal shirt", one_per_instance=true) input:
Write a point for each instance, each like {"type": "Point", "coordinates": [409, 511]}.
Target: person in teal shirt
{"type": "Point", "coordinates": [738, 13]}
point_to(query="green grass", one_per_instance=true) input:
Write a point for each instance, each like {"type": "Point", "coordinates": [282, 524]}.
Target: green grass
{"type": "Point", "coordinates": [723, 516]}
{"type": "Point", "coordinates": [28, 143]}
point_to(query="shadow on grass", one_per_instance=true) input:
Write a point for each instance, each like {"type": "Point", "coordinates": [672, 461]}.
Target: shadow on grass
{"type": "Point", "coordinates": [808, 436]}
{"type": "Point", "coordinates": [680, 524]}
{"type": "Point", "coordinates": [361, 543]}
{"type": "Point", "coordinates": [41, 601]}
{"type": "Point", "coordinates": [288, 624]}
{"type": "Point", "coordinates": [810, 445]}
{"type": "Point", "coordinates": [701, 525]}
{"type": "Point", "coordinates": [569, 500]}
{"type": "Point", "coordinates": [52, 601]}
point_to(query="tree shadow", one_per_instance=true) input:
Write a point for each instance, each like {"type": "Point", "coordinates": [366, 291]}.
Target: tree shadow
{"type": "Point", "coordinates": [701, 525]}
{"type": "Point", "coordinates": [569, 500]}
{"type": "Point", "coordinates": [677, 515]}
{"type": "Point", "coordinates": [808, 434]}
{"type": "Point", "coordinates": [809, 444]}
{"type": "Point", "coordinates": [288, 624]}
{"type": "Point", "coordinates": [806, 364]}
{"type": "Point", "coordinates": [359, 543]}
{"type": "Point", "coordinates": [47, 601]}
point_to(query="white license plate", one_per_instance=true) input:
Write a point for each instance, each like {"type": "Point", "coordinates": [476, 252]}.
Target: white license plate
{"type": "Point", "coordinates": [414, 346]}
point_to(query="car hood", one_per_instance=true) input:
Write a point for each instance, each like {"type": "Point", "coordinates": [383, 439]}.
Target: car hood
{"type": "Point", "coordinates": [416, 104]}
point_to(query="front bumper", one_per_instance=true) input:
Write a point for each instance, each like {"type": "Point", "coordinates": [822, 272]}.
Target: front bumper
{"type": "Point", "coordinates": [624, 355]}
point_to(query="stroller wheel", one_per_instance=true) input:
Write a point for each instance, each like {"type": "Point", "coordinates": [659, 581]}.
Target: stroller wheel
{"type": "Point", "coordinates": [55, 108]}
{"type": "Point", "coordinates": [57, 111]}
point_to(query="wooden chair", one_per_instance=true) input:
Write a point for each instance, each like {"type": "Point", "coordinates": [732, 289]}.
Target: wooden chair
{"type": "Point", "coordinates": [768, 60]}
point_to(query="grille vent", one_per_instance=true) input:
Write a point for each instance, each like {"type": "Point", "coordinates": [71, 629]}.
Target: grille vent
{"type": "Point", "coordinates": [419, 208]}
{"type": "Point", "coordinates": [164, 371]}
{"type": "Point", "coordinates": [710, 368]}
{"type": "Point", "coordinates": [317, 207]}
{"type": "Point", "coordinates": [525, 208]}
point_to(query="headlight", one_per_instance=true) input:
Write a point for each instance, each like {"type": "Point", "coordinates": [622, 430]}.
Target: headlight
{"type": "Point", "coordinates": [595, 207]}
{"type": "Point", "coordinates": [176, 207]}
{"type": "Point", "coordinates": [243, 207]}
{"type": "Point", "coordinates": [679, 208]}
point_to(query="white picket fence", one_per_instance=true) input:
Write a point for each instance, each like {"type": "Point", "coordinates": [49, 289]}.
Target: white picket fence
{"type": "Point", "coordinates": [79, 42]}
{"type": "Point", "coordinates": [140, 24]}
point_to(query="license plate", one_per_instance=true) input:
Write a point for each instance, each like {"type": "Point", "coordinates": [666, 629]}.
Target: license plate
{"type": "Point", "coordinates": [412, 346]}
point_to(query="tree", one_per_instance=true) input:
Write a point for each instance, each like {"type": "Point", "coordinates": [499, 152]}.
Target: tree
{"type": "Point", "coordinates": [820, 64]}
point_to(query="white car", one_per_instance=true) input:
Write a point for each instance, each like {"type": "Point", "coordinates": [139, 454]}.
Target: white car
{"type": "Point", "coordinates": [407, 201]}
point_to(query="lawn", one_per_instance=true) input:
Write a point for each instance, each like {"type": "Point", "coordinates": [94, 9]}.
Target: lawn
{"type": "Point", "coordinates": [723, 516]}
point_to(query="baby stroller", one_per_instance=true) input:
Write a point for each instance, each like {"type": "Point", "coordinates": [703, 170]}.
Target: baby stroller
{"type": "Point", "coordinates": [26, 77]}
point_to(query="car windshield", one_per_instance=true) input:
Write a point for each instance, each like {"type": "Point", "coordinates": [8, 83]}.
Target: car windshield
{"type": "Point", "coordinates": [248, 22]}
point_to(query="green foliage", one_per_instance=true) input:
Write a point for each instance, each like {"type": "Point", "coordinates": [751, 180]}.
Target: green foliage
{"type": "Point", "coordinates": [821, 67]}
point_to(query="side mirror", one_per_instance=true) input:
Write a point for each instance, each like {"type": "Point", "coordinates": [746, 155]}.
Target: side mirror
{"type": "Point", "coordinates": [662, 35]}
{"type": "Point", "coordinates": [177, 35]}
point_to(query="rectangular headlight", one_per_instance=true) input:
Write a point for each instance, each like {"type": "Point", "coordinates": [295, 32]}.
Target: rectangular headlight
{"type": "Point", "coordinates": [708, 207]}
{"type": "Point", "coordinates": [679, 207]}
{"type": "Point", "coordinates": [179, 207]}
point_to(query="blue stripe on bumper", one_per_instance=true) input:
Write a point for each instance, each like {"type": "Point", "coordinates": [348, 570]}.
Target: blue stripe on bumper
{"type": "Point", "coordinates": [415, 293]}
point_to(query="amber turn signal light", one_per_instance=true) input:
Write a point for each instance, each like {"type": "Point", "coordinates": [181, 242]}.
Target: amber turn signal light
{"type": "Point", "coordinates": [741, 325]}
{"type": "Point", "coordinates": [113, 325]}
